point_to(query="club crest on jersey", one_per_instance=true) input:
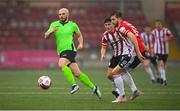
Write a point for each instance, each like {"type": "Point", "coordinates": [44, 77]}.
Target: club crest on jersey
{"type": "Point", "coordinates": [69, 28]}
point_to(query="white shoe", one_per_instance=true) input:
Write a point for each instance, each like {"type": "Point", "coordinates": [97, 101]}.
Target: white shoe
{"type": "Point", "coordinates": [75, 88]}
{"type": "Point", "coordinates": [120, 99]}
{"type": "Point", "coordinates": [135, 94]}
{"type": "Point", "coordinates": [97, 92]}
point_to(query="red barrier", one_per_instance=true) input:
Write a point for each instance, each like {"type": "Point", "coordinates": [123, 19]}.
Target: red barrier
{"type": "Point", "coordinates": [28, 59]}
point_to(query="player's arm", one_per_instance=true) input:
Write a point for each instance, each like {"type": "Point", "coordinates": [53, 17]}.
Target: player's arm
{"type": "Point", "coordinates": [78, 34]}
{"type": "Point", "coordinates": [49, 32]}
{"type": "Point", "coordinates": [170, 37]}
{"type": "Point", "coordinates": [135, 43]}
{"type": "Point", "coordinates": [103, 52]}
{"type": "Point", "coordinates": [80, 40]}
{"type": "Point", "coordinates": [104, 43]}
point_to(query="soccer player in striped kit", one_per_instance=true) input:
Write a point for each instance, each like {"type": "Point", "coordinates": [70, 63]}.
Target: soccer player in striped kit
{"type": "Point", "coordinates": [131, 36]}
{"type": "Point", "coordinates": [161, 47]}
{"type": "Point", "coordinates": [148, 39]}
{"type": "Point", "coordinates": [120, 50]}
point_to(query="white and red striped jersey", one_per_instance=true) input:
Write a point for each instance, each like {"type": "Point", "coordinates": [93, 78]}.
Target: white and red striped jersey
{"type": "Point", "coordinates": [148, 39]}
{"type": "Point", "coordinates": [161, 45]}
{"type": "Point", "coordinates": [125, 27]}
{"type": "Point", "coordinates": [118, 45]}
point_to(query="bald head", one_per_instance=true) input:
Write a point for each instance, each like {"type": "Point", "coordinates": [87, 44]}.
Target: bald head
{"type": "Point", "coordinates": [63, 14]}
{"type": "Point", "coordinates": [64, 10]}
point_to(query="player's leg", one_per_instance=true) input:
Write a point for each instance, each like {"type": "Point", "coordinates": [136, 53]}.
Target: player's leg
{"type": "Point", "coordinates": [122, 65]}
{"type": "Point", "coordinates": [118, 81]}
{"type": "Point", "coordinates": [162, 71]}
{"type": "Point", "coordinates": [66, 58]}
{"type": "Point", "coordinates": [153, 61]}
{"type": "Point", "coordinates": [63, 62]}
{"type": "Point", "coordinates": [162, 60]}
{"type": "Point", "coordinates": [81, 76]}
{"type": "Point", "coordinates": [120, 69]}
{"type": "Point", "coordinates": [112, 64]}
{"type": "Point", "coordinates": [148, 69]}
{"type": "Point", "coordinates": [84, 78]}
{"type": "Point", "coordinates": [108, 74]}
{"type": "Point", "coordinates": [129, 80]}
{"type": "Point", "coordinates": [116, 91]}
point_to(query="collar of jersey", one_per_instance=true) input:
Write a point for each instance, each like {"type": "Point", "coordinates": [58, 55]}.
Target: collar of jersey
{"type": "Point", "coordinates": [63, 23]}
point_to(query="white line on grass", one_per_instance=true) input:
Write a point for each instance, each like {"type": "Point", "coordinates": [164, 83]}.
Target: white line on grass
{"type": "Point", "coordinates": [81, 93]}
{"type": "Point", "coordinates": [11, 84]}
{"type": "Point", "coordinates": [63, 88]}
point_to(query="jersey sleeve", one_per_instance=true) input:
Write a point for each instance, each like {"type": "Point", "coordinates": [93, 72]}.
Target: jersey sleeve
{"type": "Point", "coordinates": [124, 30]}
{"type": "Point", "coordinates": [168, 32]}
{"type": "Point", "coordinates": [51, 27]}
{"type": "Point", "coordinates": [104, 41]}
{"type": "Point", "coordinates": [76, 28]}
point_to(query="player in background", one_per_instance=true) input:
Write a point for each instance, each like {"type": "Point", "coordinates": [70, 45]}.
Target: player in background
{"type": "Point", "coordinates": [63, 30]}
{"type": "Point", "coordinates": [119, 49]}
{"type": "Point", "coordinates": [161, 47]}
{"type": "Point", "coordinates": [148, 39]}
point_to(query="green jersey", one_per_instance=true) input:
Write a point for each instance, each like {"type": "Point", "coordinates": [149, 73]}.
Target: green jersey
{"type": "Point", "coordinates": [64, 35]}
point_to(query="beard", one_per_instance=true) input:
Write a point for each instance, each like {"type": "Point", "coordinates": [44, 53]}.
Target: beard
{"type": "Point", "coordinates": [63, 19]}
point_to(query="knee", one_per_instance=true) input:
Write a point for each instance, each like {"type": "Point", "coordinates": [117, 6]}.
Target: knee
{"type": "Point", "coordinates": [76, 73]}
{"type": "Point", "coordinates": [109, 76]}
{"type": "Point", "coordinates": [61, 65]}
{"type": "Point", "coordinates": [161, 64]}
{"type": "Point", "coordinates": [146, 64]}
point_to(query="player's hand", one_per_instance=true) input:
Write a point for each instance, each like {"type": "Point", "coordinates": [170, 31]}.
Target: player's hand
{"type": "Point", "coordinates": [103, 58]}
{"type": "Point", "coordinates": [48, 33]}
{"type": "Point", "coordinates": [147, 49]}
{"type": "Point", "coordinates": [169, 38]}
{"type": "Point", "coordinates": [141, 57]}
{"type": "Point", "coordinates": [55, 29]}
{"type": "Point", "coordinates": [80, 46]}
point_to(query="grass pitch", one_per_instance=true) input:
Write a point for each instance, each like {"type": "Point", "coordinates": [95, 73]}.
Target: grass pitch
{"type": "Point", "coordinates": [19, 91]}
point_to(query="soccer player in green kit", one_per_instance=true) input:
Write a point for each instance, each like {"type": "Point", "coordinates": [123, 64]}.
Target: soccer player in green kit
{"type": "Point", "coordinates": [64, 30]}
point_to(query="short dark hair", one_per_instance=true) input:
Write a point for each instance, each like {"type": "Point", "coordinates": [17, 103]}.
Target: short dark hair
{"type": "Point", "coordinates": [117, 13]}
{"type": "Point", "coordinates": [108, 19]}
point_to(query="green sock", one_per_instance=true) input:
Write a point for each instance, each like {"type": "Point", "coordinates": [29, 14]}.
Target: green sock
{"type": "Point", "coordinates": [84, 79]}
{"type": "Point", "coordinates": [68, 73]}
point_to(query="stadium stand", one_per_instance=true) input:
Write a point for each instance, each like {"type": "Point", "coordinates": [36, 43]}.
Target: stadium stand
{"type": "Point", "coordinates": [23, 24]}
{"type": "Point", "coordinates": [173, 18]}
